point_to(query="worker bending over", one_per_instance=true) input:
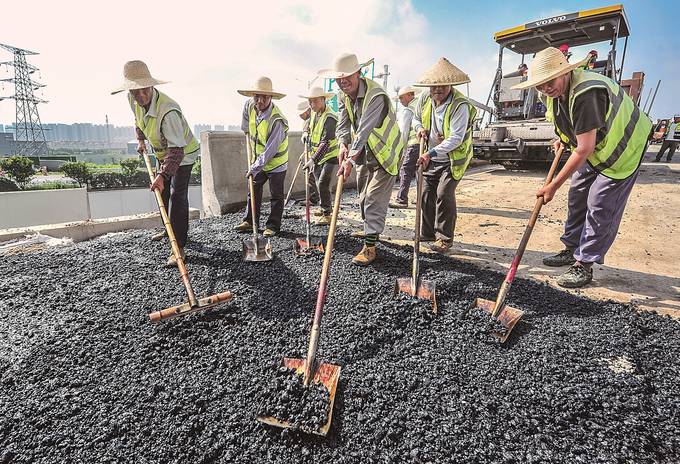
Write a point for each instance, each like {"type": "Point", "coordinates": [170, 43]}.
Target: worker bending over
{"type": "Point", "coordinates": [607, 135]}
{"type": "Point", "coordinates": [159, 119]}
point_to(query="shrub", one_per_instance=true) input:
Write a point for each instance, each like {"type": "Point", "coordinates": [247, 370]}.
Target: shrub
{"type": "Point", "coordinates": [6, 185]}
{"type": "Point", "coordinates": [18, 168]}
{"type": "Point", "coordinates": [51, 185]}
{"type": "Point", "coordinates": [108, 180]}
{"type": "Point", "coordinates": [79, 171]}
{"type": "Point", "coordinates": [129, 167]}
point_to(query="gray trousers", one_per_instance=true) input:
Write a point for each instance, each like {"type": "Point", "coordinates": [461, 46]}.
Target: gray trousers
{"type": "Point", "coordinates": [671, 146]}
{"type": "Point", "coordinates": [324, 174]}
{"type": "Point", "coordinates": [439, 201]}
{"type": "Point", "coordinates": [275, 180]}
{"type": "Point", "coordinates": [408, 171]}
{"type": "Point", "coordinates": [375, 189]}
{"type": "Point", "coordinates": [596, 205]}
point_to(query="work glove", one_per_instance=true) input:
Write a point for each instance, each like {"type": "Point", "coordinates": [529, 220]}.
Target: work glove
{"type": "Point", "coordinates": [249, 173]}
{"type": "Point", "coordinates": [309, 165]}
{"type": "Point", "coordinates": [305, 137]}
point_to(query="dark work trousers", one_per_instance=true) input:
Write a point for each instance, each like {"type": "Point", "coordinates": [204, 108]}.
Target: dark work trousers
{"type": "Point", "coordinates": [176, 197]}
{"type": "Point", "coordinates": [313, 187]}
{"type": "Point", "coordinates": [439, 201]}
{"type": "Point", "coordinates": [276, 190]}
{"type": "Point", "coordinates": [324, 174]}
{"type": "Point", "coordinates": [596, 205]}
{"type": "Point", "coordinates": [669, 145]}
{"type": "Point", "coordinates": [407, 172]}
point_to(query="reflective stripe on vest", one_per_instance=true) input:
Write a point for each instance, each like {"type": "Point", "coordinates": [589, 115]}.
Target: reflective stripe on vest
{"type": "Point", "coordinates": [626, 129]}
{"type": "Point", "coordinates": [461, 155]}
{"type": "Point", "coordinates": [316, 124]}
{"type": "Point", "coordinates": [412, 139]}
{"type": "Point", "coordinates": [385, 142]}
{"type": "Point", "coordinates": [152, 127]}
{"type": "Point", "coordinates": [259, 134]}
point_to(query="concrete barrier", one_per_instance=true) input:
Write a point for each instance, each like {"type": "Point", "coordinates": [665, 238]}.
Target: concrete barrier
{"type": "Point", "coordinates": [223, 164]}
{"type": "Point", "coordinates": [35, 207]}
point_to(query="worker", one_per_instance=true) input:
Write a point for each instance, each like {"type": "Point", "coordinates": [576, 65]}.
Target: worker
{"type": "Point", "coordinates": [444, 118]}
{"type": "Point", "coordinates": [407, 98]}
{"type": "Point", "coordinates": [304, 111]}
{"type": "Point", "coordinates": [267, 128]}
{"type": "Point", "coordinates": [160, 120]}
{"type": "Point", "coordinates": [369, 139]}
{"type": "Point", "coordinates": [670, 141]}
{"type": "Point", "coordinates": [606, 134]}
{"type": "Point", "coordinates": [323, 155]}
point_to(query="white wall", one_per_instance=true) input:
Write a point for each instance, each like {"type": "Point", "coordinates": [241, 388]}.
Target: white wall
{"type": "Point", "coordinates": [37, 207]}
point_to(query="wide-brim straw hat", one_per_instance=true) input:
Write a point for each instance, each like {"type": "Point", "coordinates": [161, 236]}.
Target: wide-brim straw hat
{"type": "Point", "coordinates": [343, 66]}
{"type": "Point", "coordinates": [407, 89]}
{"type": "Point", "coordinates": [303, 107]}
{"type": "Point", "coordinates": [442, 73]}
{"type": "Point", "coordinates": [263, 86]}
{"type": "Point", "coordinates": [546, 66]}
{"type": "Point", "coordinates": [136, 75]}
{"type": "Point", "coordinates": [316, 92]}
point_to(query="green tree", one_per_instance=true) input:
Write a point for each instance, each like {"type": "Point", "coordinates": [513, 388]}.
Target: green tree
{"type": "Point", "coordinates": [18, 168]}
{"type": "Point", "coordinates": [78, 171]}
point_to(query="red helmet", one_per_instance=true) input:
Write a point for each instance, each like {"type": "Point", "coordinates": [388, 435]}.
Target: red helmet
{"type": "Point", "coordinates": [564, 48]}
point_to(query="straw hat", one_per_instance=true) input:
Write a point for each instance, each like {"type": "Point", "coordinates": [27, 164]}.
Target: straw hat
{"type": "Point", "coordinates": [316, 92]}
{"type": "Point", "coordinates": [263, 86]}
{"type": "Point", "coordinates": [547, 65]}
{"type": "Point", "coordinates": [343, 66]}
{"type": "Point", "coordinates": [407, 89]}
{"type": "Point", "coordinates": [303, 107]}
{"type": "Point", "coordinates": [442, 73]}
{"type": "Point", "coordinates": [136, 75]}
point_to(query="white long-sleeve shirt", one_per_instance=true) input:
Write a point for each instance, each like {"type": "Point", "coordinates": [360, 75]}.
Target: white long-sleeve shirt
{"type": "Point", "coordinates": [457, 128]}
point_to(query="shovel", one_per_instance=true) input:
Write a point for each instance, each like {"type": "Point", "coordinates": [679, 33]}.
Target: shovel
{"type": "Point", "coordinates": [194, 304]}
{"type": "Point", "coordinates": [288, 204]}
{"type": "Point", "coordinates": [508, 316]}
{"type": "Point", "coordinates": [326, 374]}
{"type": "Point", "coordinates": [256, 248]}
{"type": "Point", "coordinates": [414, 285]}
{"type": "Point", "coordinates": [308, 245]}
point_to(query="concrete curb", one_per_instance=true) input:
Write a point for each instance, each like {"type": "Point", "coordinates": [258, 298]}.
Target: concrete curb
{"type": "Point", "coordinates": [85, 230]}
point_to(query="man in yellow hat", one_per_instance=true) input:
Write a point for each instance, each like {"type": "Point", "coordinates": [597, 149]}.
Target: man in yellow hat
{"type": "Point", "coordinates": [443, 117]}
{"type": "Point", "coordinates": [323, 157]}
{"type": "Point", "coordinates": [160, 120]}
{"type": "Point", "coordinates": [366, 111]}
{"type": "Point", "coordinates": [407, 172]}
{"type": "Point", "coordinates": [607, 135]}
{"type": "Point", "coordinates": [267, 128]}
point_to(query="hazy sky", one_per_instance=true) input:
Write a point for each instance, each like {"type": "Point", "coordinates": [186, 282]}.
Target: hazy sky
{"type": "Point", "coordinates": [209, 49]}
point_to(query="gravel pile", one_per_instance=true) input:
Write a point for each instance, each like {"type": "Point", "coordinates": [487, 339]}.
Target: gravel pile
{"type": "Point", "coordinates": [85, 377]}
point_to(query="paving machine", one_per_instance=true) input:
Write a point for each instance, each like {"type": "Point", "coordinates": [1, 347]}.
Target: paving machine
{"type": "Point", "coordinates": [517, 134]}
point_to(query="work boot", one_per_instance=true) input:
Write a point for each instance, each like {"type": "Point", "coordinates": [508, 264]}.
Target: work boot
{"type": "Point", "coordinates": [423, 238]}
{"type": "Point", "coordinates": [441, 246]}
{"type": "Point", "coordinates": [323, 220]}
{"type": "Point", "coordinates": [563, 258]}
{"type": "Point", "coordinates": [359, 234]}
{"type": "Point", "coordinates": [245, 226]}
{"type": "Point", "coordinates": [172, 261]}
{"type": "Point", "coordinates": [396, 204]}
{"type": "Point", "coordinates": [270, 232]}
{"type": "Point", "coordinates": [365, 257]}
{"type": "Point", "coordinates": [319, 212]}
{"type": "Point", "coordinates": [159, 236]}
{"type": "Point", "coordinates": [575, 277]}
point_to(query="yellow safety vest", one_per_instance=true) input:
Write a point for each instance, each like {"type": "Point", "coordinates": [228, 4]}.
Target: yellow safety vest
{"type": "Point", "coordinates": [259, 134]}
{"type": "Point", "coordinates": [626, 129]}
{"type": "Point", "coordinates": [316, 124]}
{"type": "Point", "coordinates": [384, 141]}
{"type": "Point", "coordinates": [151, 127]}
{"type": "Point", "coordinates": [412, 139]}
{"type": "Point", "coordinates": [461, 155]}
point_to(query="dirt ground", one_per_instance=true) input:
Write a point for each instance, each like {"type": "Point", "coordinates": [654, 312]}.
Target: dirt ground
{"type": "Point", "coordinates": [643, 265]}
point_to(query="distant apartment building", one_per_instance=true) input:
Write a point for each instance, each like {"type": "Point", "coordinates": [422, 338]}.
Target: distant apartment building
{"type": "Point", "coordinates": [198, 128]}
{"type": "Point", "coordinates": [219, 127]}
